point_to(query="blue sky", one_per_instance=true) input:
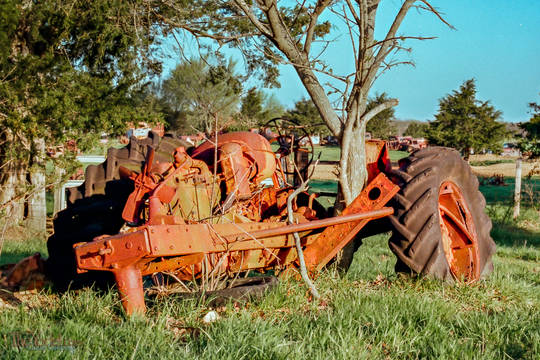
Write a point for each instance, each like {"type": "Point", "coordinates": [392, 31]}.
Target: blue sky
{"type": "Point", "coordinates": [497, 42]}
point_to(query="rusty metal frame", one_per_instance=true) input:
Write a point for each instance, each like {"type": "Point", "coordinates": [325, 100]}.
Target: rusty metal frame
{"type": "Point", "coordinates": [172, 244]}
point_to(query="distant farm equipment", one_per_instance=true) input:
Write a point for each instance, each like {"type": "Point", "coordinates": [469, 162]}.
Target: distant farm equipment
{"type": "Point", "coordinates": [406, 143]}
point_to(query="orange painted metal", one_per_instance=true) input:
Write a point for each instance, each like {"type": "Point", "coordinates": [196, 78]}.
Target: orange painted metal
{"type": "Point", "coordinates": [255, 147]}
{"type": "Point", "coordinates": [334, 238]}
{"type": "Point", "coordinates": [144, 183]}
{"type": "Point", "coordinates": [458, 232]}
{"type": "Point", "coordinates": [236, 169]}
{"type": "Point", "coordinates": [130, 287]}
{"type": "Point", "coordinates": [377, 158]}
{"type": "Point", "coordinates": [171, 263]}
{"type": "Point", "coordinates": [315, 224]}
{"type": "Point", "coordinates": [154, 241]}
{"type": "Point", "coordinates": [124, 253]}
{"type": "Point", "coordinates": [112, 252]}
{"type": "Point", "coordinates": [177, 205]}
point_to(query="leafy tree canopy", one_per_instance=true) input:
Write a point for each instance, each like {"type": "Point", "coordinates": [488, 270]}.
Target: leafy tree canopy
{"type": "Point", "coordinates": [416, 130]}
{"type": "Point", "coordinates": [257, 107]}
{"type": "Point", "coordinates": [306, 114]}
{"type": "Point", "coordinates": [202, 90]}
{"type": "Point", "coordinates": [69, 69]}
{"type": "Point", "coordinates": [466, 123]}
{"type": "Point", "coordinates": [530, 145]}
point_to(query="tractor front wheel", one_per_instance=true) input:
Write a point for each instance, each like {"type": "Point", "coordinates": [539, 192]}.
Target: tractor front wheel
{"type": "Point", "coordinates": [440, 228]}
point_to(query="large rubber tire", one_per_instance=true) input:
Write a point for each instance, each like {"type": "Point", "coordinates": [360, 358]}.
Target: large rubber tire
{"type": "Point", "coordinates": [95, 208]}
{"type": "Point", "coordinates": [417, 238]}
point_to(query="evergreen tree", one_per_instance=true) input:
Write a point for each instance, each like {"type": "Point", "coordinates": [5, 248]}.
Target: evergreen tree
{"type": "Point", "coordinates": [252, 105]}
{"type": "Point", "coordinates": [258, 108]}
{"type": "Point", "coordinates": [306, 114]}
{"type": "Point", "coordinates": [530, 145]}
{"type": "Point", "coordinates": [198, 92]}
{"type": "Point", "coordinates": [466, 123]}
{"type": "Point", "coordinates": [68, 70]}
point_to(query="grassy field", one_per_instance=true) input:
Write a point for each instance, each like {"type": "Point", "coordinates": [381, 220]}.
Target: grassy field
{"type": "Point", "coordinates": [370, 313]}
{"type": "Point", "coordinates": [332, 153]}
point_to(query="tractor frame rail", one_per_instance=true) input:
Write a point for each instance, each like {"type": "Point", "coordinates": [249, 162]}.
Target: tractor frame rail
{"type": "Point", "coordinates": [167, 243]}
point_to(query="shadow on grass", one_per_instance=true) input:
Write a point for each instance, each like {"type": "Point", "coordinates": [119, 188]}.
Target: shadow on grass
{"type": "Point", "coordinates": [512, 235]}
{"type": "Point", "coordinates": [518, 238]}
{"type": "Point", "coordinates": [504, 194]}
{"type": "Point", "coordinates": [509, 232]}
{"type": "Point", "coordinates": [15, 250]}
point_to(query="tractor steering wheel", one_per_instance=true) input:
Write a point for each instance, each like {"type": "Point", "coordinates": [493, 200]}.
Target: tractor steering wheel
{"type": "Point", "coordinates": [291, 137]}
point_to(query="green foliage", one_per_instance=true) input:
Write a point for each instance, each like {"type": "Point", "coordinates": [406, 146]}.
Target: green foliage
{"type": "Point", "coordinates": [465, 123]}
{"type": "Point", "coordinates": [305, 113]}
{"type": "Point", "coordinates": [199, 90]}
{"type": "Point", "coordinates": [530, 145]}
{"type": "Point", "coordinates": [252, 105]}
{"type": "Point", "coordinates": [272, 108]}
{"type": "Point", "coordinates": [416, 130]}
{"type": "Point", "coordinates": [226, 24]}
{"type": "Point", "coordinates": [257, 108]}
{"type": "Point", "coordinates": [9, 18]}
{"type": "Point", "coordinates": [71, 70]}
{"type": "Point", "coordinates": [381, 126]}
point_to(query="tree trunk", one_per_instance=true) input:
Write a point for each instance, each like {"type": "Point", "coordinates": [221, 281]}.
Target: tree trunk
{"type": "Point", "coordinates": [58, 189]}
{"type": "Point", "coordinates": [37, 206]}
{"type": "Point", "coordinates": [11, 199]}
{"type": "Point", "coordinates": [12, 181]}
{"type": "Point", "coordinates": [357, 169]}
{"type": "Point", "coordinates": [356, 177]}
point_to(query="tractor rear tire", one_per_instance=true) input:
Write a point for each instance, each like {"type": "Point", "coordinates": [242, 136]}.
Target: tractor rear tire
{"type": "Point", "coordinates": [95, 208]}
{"type": "Point", "coordinates": [439, 227]}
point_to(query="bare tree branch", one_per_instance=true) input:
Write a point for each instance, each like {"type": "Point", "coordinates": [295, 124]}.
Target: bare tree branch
{"type": "Point", "coordinates": [381, 54]}
{"type": "Point", "coordinates": [319, 8]}
{"type": "Point", "coordinates": [402, 38]}
{"type": "Point", "coordinates": [353, 13]}
{"type": "Point", "coordinates": [253, 18]}
{"type": "Point", "coordinates": [299, 251]}
{"type": "Point", "coordinates": [437, 13]}
{"type": "Point", "coordinates": [377, 109]}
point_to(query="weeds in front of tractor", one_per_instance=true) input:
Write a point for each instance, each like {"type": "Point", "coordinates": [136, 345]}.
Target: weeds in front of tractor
{"type": "Point", "coordinates": [369, 313]}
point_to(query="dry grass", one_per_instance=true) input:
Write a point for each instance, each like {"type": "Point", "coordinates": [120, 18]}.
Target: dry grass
{"type": "Point", "coordinates": [507, 169]}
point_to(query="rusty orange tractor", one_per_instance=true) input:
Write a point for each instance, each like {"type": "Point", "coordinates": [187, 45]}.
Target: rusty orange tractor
{"type": "Point", "coordinates": [158, 207]}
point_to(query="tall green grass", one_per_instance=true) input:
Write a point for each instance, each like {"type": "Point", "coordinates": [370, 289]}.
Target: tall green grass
{"type": "Point", "coordinates": [370, 313]}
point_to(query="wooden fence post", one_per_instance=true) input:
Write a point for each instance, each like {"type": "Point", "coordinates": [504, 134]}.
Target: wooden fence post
{"type": "Point", "coordinates": [517, 188]}
{"type": "Point", "coordinates": [37, 203]}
